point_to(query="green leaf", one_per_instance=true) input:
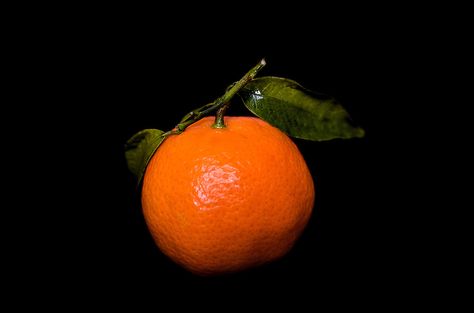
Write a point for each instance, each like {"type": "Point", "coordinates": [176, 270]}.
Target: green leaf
{"type": "Point", "coordinates": [297, 111]}
{"type": "Point", "coordinates": [140, 148]}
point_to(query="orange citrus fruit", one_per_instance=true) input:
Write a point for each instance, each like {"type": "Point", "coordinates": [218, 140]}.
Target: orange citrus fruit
{"type": "Point", "coordinates": [223, 200]}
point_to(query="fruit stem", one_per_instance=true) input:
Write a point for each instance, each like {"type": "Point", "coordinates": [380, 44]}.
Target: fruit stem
{"type": "Point", "coordinates": [219, 122]}
{"type": "Point", "coordinates": [220, 104]}
{"type": "Point", "coordinates": [223, 102]}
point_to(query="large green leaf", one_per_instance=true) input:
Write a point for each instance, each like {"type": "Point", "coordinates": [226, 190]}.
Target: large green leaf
{"type": "Point", "coordinates": [140, 148]}
{"type": "Point", "coordinates": [297, 111]}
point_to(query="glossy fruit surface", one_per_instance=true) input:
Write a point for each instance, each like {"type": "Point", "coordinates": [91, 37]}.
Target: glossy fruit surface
{"type": "Point", "coordinates": [223, 200]}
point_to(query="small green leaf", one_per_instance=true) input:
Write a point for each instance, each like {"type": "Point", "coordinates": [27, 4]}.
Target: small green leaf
{"type": "Point", "coordinates": [297, 111]}
{"type": "Point", "coordinates": [140, 148]}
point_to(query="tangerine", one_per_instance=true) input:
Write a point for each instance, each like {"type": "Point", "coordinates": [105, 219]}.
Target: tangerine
{"type": "Point", "coordinates": [223, 200]}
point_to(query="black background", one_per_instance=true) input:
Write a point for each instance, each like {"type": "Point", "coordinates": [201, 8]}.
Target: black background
{"type": "Point", "coordinates": [106, 81]}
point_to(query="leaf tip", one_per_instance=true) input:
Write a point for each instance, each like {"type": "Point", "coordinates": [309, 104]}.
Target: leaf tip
{"type": "Point", "coordinates": [360, 132]}
{"type": "Point", "coordinates": [140, 148]}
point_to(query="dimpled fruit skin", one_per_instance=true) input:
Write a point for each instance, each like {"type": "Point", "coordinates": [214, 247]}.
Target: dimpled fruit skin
{"type": "Point", "coordinates": [223, 200]}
